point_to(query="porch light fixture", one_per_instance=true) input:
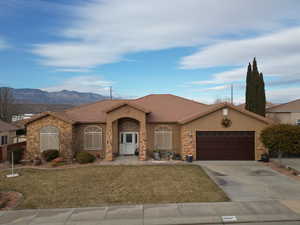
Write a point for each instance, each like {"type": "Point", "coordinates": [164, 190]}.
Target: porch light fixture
{"type": "Point", "coordinates": [225, 112]}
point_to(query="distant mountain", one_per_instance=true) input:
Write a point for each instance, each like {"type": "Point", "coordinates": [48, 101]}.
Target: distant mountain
{"type": "Point", "coordinates": [37, 96]}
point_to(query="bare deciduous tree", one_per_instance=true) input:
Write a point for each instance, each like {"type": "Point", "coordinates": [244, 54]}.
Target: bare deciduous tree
{"type": "Point", "coordinates": [6, 104]}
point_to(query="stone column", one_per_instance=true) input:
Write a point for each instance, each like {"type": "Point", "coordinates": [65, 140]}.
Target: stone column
{"type": "Point", "coordinates": [109, 142]}
{"type": "Point", "coordinates": [187, 143]}
{"type": "Point", "coordinates": [143, 141]}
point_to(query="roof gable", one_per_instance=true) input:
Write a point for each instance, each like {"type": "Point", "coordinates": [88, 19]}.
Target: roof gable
{"type": "Point", "coordinates": [121, 104]}
{"type": "Point", "coordinates": [219, 106]}
{"type": "Point", "coordinates": [59, 115]}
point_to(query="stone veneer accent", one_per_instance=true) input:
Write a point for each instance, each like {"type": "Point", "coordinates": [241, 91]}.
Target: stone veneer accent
{"type": "Point", "coordinates": [125, 111]}
{"type": "Point", "coordinates": [65, 137]}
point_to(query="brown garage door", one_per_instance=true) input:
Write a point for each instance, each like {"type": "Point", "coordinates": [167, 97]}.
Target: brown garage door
{"type": "Point", "coordinates": [225, 145]}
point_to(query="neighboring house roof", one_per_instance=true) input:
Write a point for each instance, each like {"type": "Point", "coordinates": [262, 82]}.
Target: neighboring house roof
{"type": "Point", "coordinates": [216, 107]}
{"type": "Point", "coordinates": [5, 127]}
{"type": "Point", "coordinates": [268, 105]}
{"type": "Point", "coordinates": [293, 106]}
{"type": "Point", "coordinates": [161, 108]}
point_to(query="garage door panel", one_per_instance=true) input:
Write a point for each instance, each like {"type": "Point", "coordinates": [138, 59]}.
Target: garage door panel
{"type": "Point", "coordinates": [225, 145]}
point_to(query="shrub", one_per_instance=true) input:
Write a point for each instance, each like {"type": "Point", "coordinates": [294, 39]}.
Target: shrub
{"type": "Point", "coordinates": [85, 157]}
{"type": "Point", "coordinates": [281, 138]}
{"type": "Point", "coordinates": [18, 154]}
{"type": "Point", "coordinates": [49, 155]}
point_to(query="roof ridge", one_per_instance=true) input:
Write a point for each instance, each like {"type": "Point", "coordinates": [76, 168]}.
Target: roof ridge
{"type": "Point", "coordinates": [183, 98]}
{"type": "Point", "coordinates": [217, 106]}
{"type": "Point", "coordinates": [93, 103]}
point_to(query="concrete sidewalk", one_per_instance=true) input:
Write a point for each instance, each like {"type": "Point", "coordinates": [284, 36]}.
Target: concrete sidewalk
{"type": "Point", "coordinates": [188, 213]}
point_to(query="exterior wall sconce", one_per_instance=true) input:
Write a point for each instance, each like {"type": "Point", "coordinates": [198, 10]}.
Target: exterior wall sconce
{"type": "Point", "coordinates": [225, 112]}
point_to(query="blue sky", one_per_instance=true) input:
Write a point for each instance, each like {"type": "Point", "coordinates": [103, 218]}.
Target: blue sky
{"type": "Point", "coordinates": [193, 48]}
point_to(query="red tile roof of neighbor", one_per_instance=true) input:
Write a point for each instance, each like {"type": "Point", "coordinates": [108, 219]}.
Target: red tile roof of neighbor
{"type": "Point", "coordinates": [5, 127]}
{"type": "Point", "coordinates": [164, 108]}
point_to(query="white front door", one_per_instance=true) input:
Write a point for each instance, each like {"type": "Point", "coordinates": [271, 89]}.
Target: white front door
{"type": "Point", "coordinates": [128, 143]}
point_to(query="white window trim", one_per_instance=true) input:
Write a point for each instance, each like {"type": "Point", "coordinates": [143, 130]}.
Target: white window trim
{"type": "Point", "coordinates": [298, 122]}
{"type": "Point", "coordinates": [157, 131]}
{"type": "Point", "coordinates": [93, 133]}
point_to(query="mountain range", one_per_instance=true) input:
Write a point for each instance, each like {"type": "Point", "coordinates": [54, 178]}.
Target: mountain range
{"type": "Point", "coordinates": [37, 96]}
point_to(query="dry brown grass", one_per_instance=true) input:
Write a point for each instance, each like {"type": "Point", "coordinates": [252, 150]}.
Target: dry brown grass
{"type": "Point", "coordinates": [97, 185]}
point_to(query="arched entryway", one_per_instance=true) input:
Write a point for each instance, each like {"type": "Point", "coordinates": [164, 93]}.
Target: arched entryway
{"type": "Point", "coordinates": [125, 115]}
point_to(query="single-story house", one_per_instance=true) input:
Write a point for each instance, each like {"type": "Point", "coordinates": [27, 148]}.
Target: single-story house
{"type": "Point", "coordinates": [154, 122]}
{"type": "Point", "coordinates": [287, 113]}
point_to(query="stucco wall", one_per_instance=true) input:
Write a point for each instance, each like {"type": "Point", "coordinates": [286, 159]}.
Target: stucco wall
{"type": "Point", "coordinates": [295, 117]}
{"type": "Point", "coordinates": [79, 139]}
{"type": "Point", "coordinates": [212, 122]}
{"type": "Point", "coordinates": [284, 117]}
{"type": "Point", "coordinates": [65, 137]}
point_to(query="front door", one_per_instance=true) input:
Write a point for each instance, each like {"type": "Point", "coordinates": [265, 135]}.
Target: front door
{"type": "Point", "coordinates": [128, 143]}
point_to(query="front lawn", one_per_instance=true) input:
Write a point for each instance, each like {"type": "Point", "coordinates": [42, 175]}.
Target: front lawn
{"type": "Point", "coordinates": [96, 185]}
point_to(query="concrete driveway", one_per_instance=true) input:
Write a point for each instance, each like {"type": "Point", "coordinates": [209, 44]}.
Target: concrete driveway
{"type": "Point", "coordinates": [251, 181]}
{"type": "Point", "coordinates": [291, 162]}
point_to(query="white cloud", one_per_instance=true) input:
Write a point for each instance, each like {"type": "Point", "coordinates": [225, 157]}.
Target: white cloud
{"type": "Point", "coordinates": [278, 55]}
{"type": "Point", "coordinates": [93, 84]}
{"type": "Point", "coordinates": [103, 31]}
{"type": "Point", "coordinates": [283, 95]}
{"type": "Point", "coordinates": [3, 44]}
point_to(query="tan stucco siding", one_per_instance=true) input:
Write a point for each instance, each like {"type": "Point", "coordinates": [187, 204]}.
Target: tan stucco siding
{"type": "Point", "coordinates": [280, 117]}
{"type": "Point", "coordinates": [65, 137]}
{"type": "Point", "coordinates": [295, 117]}
{"type": "Point", "coordinates": [79, 144]}
{"type": "Point", "coordinates": [176, 142]}
{"type": "Point", "coordinates": [212, 122]}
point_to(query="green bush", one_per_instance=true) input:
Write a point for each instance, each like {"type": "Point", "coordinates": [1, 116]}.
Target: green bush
{"type": "Point", "coordinates": [18, 154]}
{"type": "Point", "coordinates": [281, 138]}
{"type": "Point", "coordinates": [50, 154]}
{"type": "Point", "coordinates": [85, 157]}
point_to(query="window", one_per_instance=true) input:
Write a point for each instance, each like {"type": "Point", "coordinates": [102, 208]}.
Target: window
{"type": "Point", "coordinates": [3, 140]}
{"type": "Point", "coordinates": [93, 138]}
{"type": "Point", "coordinates": [163, 138]}
{"type": "Point", "coordinates": [49, 138]}
{"type": "Point", "coordinates": [298, 122]}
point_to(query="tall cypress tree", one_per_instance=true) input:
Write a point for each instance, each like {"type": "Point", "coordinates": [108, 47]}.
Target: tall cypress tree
{"type": "Point", "coordinates": [249, 102]}
{"type": "Point", "coordinates": [261, 96]}
{"type": "Point", "coordinates": [255, 90]}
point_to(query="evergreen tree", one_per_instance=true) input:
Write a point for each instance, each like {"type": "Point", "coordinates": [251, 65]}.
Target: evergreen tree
{"type": "Point", "coordinates": [255, 90]}
{"type": "Point", "coordinates": [249, 102]}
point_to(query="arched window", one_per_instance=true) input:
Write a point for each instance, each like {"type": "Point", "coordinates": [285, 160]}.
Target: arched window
{"type": "Point", "coordinates": [163, 138]}
{"type": "Point", "coordinates": [49, 138]}
{"type": "Point", "coordinates": [93, 138]}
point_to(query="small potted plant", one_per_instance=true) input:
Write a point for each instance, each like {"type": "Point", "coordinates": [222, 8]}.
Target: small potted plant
{"type": "Point", "coordinates": [156, 154]}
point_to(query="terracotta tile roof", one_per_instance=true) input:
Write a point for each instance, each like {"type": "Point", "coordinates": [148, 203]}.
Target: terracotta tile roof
{"type": "Point", "coordinates": [216, 107]}
{"type": "Point", "coordinates": [161, 108]}
{"type": "Point", "coordinates": [293, 106]}
{"type": "Point", "coordinates": [5, 127]}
